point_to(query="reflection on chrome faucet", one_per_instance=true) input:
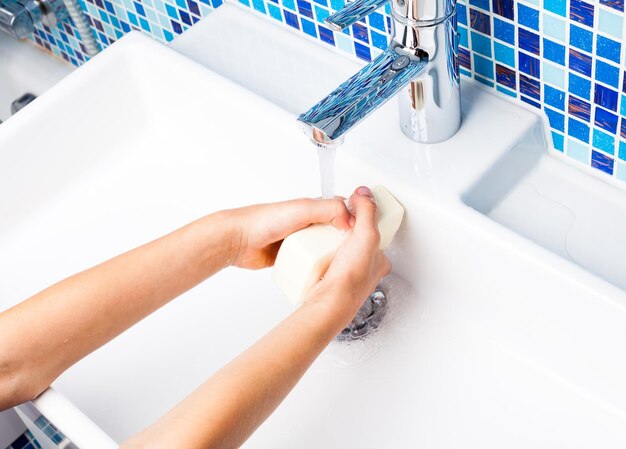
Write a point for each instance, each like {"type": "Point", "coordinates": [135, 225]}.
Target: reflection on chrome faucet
{"type": "Point", "coordinates": [420, 65]}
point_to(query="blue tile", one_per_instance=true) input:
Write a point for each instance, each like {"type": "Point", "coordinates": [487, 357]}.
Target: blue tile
{"type": "Point", "coordinates": [506, 76]}
{"type": "Point", "coordinates": [178, 29]}
{"type": "Point", "coordinates": [379, 40]}
{"type": "Point", "coordinates": [480, 21]}
{"type": "Point", "coordinates": [615, 4]}
{"type": "Point", "coordinates": [362, 51]}
{"type": "Point", "coordinates": [504, 31]}
{"type": "Point", "coordinates": [292, 20]}
{"type": "Point", "coordinates": [530, 102]}
{"type": "Point", "coordinates": [607, 73]}
{"type": "Point", "coordinates": [505, 8]}
{"type": "Point", "coordinates": [484, 81]}
{"type": "Point", "coordinates": [321, 14]}
{"type": "Point", "coordinates": [528, 64]}
{"type": "Point", "coordinates": [602, 162]}
{"type": "Point", "coordinates": [623, 128]}
{"type": "Point", "coordinates": [608, 48]}
{"type": "Point", "coordinates": [139, 9]}
{"type": "Point", "coordinates": [578, 130]}
{"type": "Point", "coordinates": [481, 44]}
{"type": "Point", "coordinates": [289, 4]}
{"type": "Point", "coordinates": [185, 17]}
{"type": "Point", "coordinates": [606, 120]}
{"type": "Point", "coordinates": [528, 17]}
{"type": "Point", "coordinates": [557, 141]}
{"type": "Point", "coordinates": [275, 12]}
{"type": "Point", "coordinates": [322, 2]}
{"type": "Point", "coordinates": [504, 54]}
{"type": "Point", "coordinates": [506, 91]}
{"type": "Point", "coordinates": [336, 5]}
{"type": "Point", "coordinates": [556, 6]}
{"type": "Point", "coordinates": [376, 20]}
{"type": "Point", "coordinates": [529, 86]}
{"type": "Point", "coordinates": [553, 51]}
{"type": "Point", "coordinates": [527, 40]}
{"type": "Point", "coordinates": [482, 4]}
{"type": "Point", "coordinates": [305, 8]}
{"type": "Point", "coordinates": [463, 37]}
{"type": "Point", "coordinates": [580, 38]}
{"type": "Point", "coordinates": [605, 97]}
{"type": "Point", "coordinates": [326, 35]}
{"type": "Point", "coordinates": [359, 32]}
{"type": "Point", "coordinates": [483, 66]}
{"type": "Point", "coordinates": [464, 58]}
{"type": "Point", "coordinates": [579, 62]}
{"type": "Point", "coordinates": [581, 12]}
{"type": "Point", "coordinates": [603, 141]}
{"type": "Point", "coordinates": [309, 28]}
{"type": "Point", "coordinates": [554, 97]}
{"type": "Point", "coordinates": [622, 150]}
{"type": "Point", "coordinates": [579, 108]}
{"type": "Point", "coordinates": [556, 119]}
{"type": "Point", "coordinates": [461, 13]}
{"type": "Point", "coordinates": [579, 86]}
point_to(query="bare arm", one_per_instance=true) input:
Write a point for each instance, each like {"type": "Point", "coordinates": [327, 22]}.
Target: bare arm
{"type": "Point", "coordinates": [227, 408]}
{"type": "Point", "coordinates": [81, 313]}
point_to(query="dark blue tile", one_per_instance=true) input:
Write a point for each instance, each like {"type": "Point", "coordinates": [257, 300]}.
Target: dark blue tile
{"type": "Point", "coordinates": [506, 76]}
{"type": "Point", "coordinates": [504, 8]}
{"type": "Point", "coordinates": [605, 97]}
{"type": "Point", "coordinates": [193, 7]}
{"type": "Point", "coordinates": [578, 130]}
{"type": "Point", "coordinates": [530, 102]}
{"type": "Point", "coordinates": [557, 120]}
{"type": "Point", "coordinates": [580, 38]}
{"type": "Point", "coordinates": [362, 51]}
{"type": "Point", "coordinates": [139, 9]}
{"type": "Point", "coordinates": [554, 52]}
{"type": "Point", "coordinates": [607, 73]}
{"type": "Point", "coordinates": [176, 27]}
{"type": "Point", "coordinates": [530, 86]}
{"type": "Point", "coordinates": [185, 17]}
{"type": "Point", "coordinates": [109, 7]}
{"type": "Point", "coordinates": [305, 8]}
{"type": "Point", "coordinates": [615, 4]}
{"type": "Point", "coordinates": [606, 120]}
{"type": "Point", "coordinates": [326, 35]}
{"type": "Point", "coordinates": [360, 32]}
{"type": "Point", "coordinates": [482, 4]}
{"type": "Point", "coordinates": [554, 97]}
{"type": "Point", "coordinates": [624, 83]}
{"type": "Point", "coordinates": [579, 62]}
{"type": "Point", "coordinates": [579, 108]}
{"type": "Point", "coordinates": [527, 40]}
{"type": "Point", "coordinates": [292, 20]}
{"type": "Point", "coordinates": [20, 442]}
{"type": "Point", "coordinates": [504, 31]}
{"type": "Point", "coordinates": [464, 58]}
{"type": "Point", "coordinates": [528, 17]}
{"type": "Point", "coordinates": [623, 128]}
{"type": "Point", "coordinates": [602, 162]}
{"type": "Point", "coordinates": [579, 86]}
{"type": "Point", "coordinates": [581, 12]}
{"type": "Point", "coordinates": [528, 64]}
{"type": "Point", "coordinates": [608, 48]}
{"type": "Point", "coordinates": [480, 21]}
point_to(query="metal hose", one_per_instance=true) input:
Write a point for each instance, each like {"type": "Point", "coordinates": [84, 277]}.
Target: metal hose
{"type": "Point", "coordinates": [82, 25]}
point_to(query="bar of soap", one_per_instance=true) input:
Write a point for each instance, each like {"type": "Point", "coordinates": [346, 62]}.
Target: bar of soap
{"type": "Point", "coordinates": [305, 255]}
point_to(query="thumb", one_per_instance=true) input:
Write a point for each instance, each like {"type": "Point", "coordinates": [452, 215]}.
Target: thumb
{"type": "Point", "coordinates": [364, 209]}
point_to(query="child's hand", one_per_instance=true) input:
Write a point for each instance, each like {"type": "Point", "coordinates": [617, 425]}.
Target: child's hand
{"type": "Point", "coordinates": [259, 230]}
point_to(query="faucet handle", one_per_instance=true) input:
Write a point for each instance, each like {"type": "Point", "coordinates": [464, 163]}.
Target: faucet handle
{"type": "Point", "coordinates": [353, 12]}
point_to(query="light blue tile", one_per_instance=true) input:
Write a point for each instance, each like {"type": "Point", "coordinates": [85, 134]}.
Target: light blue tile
{"type": "Point", "coordinates": [603, 141]}
{"type": "Point", "coordinates": [621, 171]}
{"type": "Point", "coordinates": [463, 39]}
{"type": "Point", "coordinates": [504, 54]}
{"type": "Point", "coordinates": [164, 21]}
{"type": "Point", "coordinates": [578, 151]}
{"type": "Point", "coordinates": [623, 106]}
{"type": "Point", "coordinates": [531, 2]}
{"type": "Point", "coordinates": [553, 74]}
{"type": "Point", "coordinates": [506, 91]}
{"type": "Point", "coordinates": [556, 6]}
{"type": "Point", "coordinates": [554, 27]}
{"type": "Point", "coordinates": [344, 43]}
{"type": "Point", "coordinates": [611, 24]}
{"type": "Point", "coordinates": [160, 6]}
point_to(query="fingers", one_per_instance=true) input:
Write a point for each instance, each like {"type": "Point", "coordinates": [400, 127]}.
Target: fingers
{"type": "Point", "coordinates": [363, 207]}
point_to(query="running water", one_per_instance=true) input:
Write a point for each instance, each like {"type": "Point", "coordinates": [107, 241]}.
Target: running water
{"type": "Point", "coordinates": [327, 170]}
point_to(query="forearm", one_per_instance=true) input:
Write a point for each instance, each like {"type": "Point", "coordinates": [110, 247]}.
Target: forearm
{"type": "Point", "coordinates": [226, 409]}
{"type": "Point", "coordinates": [83, 312]}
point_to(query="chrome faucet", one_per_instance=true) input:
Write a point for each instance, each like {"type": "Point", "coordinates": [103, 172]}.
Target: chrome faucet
{"type": "Point", "coordinates": [19, 17]}
{"type": "Point", "coordinates": [420, 65]}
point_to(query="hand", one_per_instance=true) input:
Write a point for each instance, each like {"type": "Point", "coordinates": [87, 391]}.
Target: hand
{"type": "Point", "coordinates": [259, 230]}
{"type": "Point", "coordinates": [358, 264]}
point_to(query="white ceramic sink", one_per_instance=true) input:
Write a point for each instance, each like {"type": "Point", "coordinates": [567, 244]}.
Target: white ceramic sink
{"type": "Point", "coordinates": [491, 340]}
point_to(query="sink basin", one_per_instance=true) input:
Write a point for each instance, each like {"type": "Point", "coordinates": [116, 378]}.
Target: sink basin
{"type": "Point", "coordinates": [490, 340]}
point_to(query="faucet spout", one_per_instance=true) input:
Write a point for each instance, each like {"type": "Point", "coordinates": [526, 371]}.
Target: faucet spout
{"type": "Point", "coordinates": [327, 121]}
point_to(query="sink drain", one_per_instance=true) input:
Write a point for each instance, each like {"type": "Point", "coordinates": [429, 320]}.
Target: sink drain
{"type": "Point", "coordinates": [367, 319]}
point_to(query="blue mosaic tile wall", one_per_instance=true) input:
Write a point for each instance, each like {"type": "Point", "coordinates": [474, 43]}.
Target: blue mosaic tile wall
{"type": "Point", "coordinates": [563, 57]}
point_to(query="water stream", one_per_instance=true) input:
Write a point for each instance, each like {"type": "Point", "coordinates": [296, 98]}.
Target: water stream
{"type": "Point", "coordinates": [326, 156]}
